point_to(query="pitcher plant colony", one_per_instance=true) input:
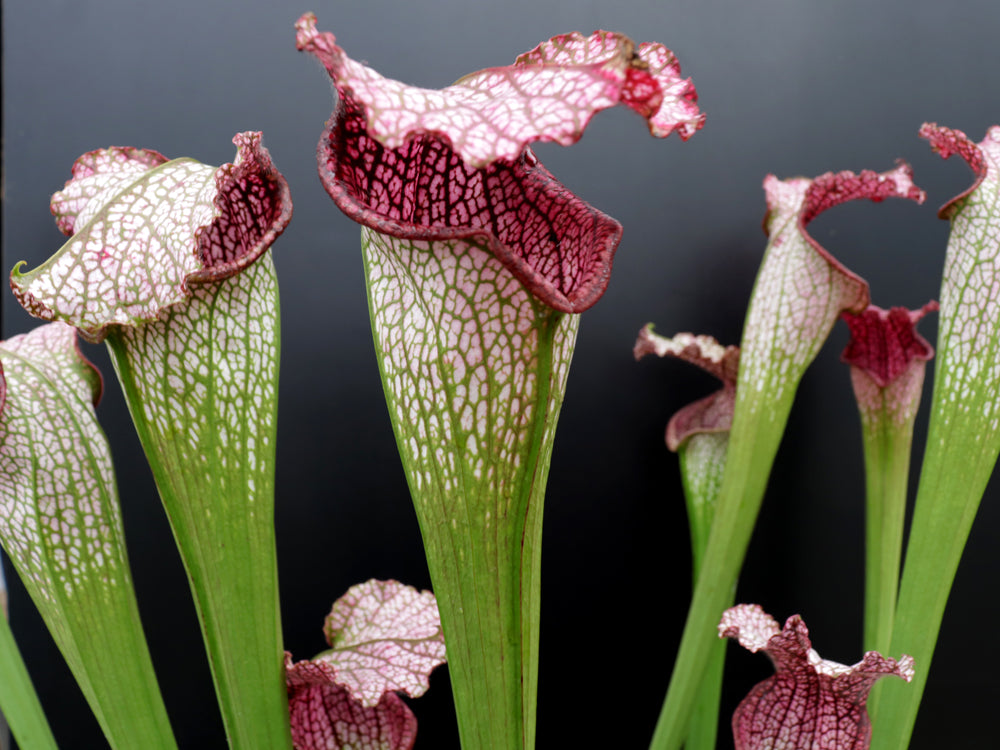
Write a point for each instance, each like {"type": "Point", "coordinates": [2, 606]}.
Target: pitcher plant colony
{"type": "Point", "coordinates": [478, 266]}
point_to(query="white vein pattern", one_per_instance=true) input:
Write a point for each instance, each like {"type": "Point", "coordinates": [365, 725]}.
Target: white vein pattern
{"type": "Point", "coordinates": [474, 369]}
{"type": "Point", "coordinates": [324, 715]}
{"type": "Point", "coordinates": [896, 402]}
{"type": "Point", "coordinates": [703, 464]}
{"type": "Point", "coordinates": [385, 637]}
{"type": "Point", "coordinates": [549, 94]}
{"type": "Point", "coordinates": [962, 435]}
{"type": "Point", "coordinates": [165, 269]}
{"type": "Point", "coordinates": [797, 298]}
{"type": "Point", "coordinates": [97, 177]}
{"type": "Point", "coordinates": [458, 338]}
{"type": "Point", "coordinates": [970, 303]}
{"type": "Point", "coordinates": [206, 371]}
{"type": "Point", "coordinates": [61, 524]}
{"type": "Point", "coordinates": [131, 253]}
{"type": "Point", "coordinates": [800, 289]}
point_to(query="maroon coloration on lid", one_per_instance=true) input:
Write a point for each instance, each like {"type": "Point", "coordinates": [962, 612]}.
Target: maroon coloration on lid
{"type": "Point", "coordinates": [560, 247]}
{"type": "Point", "coordinates": [833, 188]}
{"type": "Point", "coordinates": [144, 228]}
{"type": "Point", "coordinates": [254, 206]}
{"type": "Point", "coordinates": [948, 141]}
{"type": "Point", "coordinates": [454, 164]}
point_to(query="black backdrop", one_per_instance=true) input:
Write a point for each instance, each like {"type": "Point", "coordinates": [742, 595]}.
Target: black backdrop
{"type": "Point", "coordinates": [791, 88]}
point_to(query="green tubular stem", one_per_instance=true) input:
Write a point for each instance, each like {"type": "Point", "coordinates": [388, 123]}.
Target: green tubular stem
{"type": "Point", "coordinates": [701, 474]}
{"type": "Point", "coordinates": [776, 349]}
{"type": "Point", "coordinates": [702, 463]}
{"type": "Point", "coordinates": [530, 591]}
{"type": "Point", "coordinates": [474, 417]}
{"type": "Point", "coordinates": [532, 490]}
{"type": "Point", "coordinates": [126, 702]}
{"type": "Point", "coordinates": [751, 452]}
{"type": "Point", "coordinates": [93, 617]}
{"type": "Point", "coordinates": [703, 728]}
{"type": "Point", "coordinates": [228, 550]}
{"type": "Point", "coordinates": [887, 465]}
{"type": "Point", "coordinates": [963, 441]}
{"type": "Point", "coordinates": [111, 665]}
{"type": "Point", "coordinates": [18, 698]}
{"type": "Point", "coordinates": [952, 481]}
{"type": "Point", "coordinates": [487, 584]}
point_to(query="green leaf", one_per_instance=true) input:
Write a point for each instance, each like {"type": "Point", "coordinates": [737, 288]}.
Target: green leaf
{"type": "Point", "coordinates": [474, 372]}
{"type": "Point", "coordinates": [170, 264]}
{"type": "Point", "coordinates": [888, 359]}
{"type": "Point", "coordinates": [475, 338]}
{"type": "Point", "coordinates": [21, 709]}
{"type": "Point", "coordinates": [963, 437]}
{"type": "Point", "coordinates": [799, 293]}
{"type": "Point", "coordinates": [61, 528]}
{"type": "Point", "coordinates": [699, 434]}
{"type": "Point", "coordinates": [201, 385]}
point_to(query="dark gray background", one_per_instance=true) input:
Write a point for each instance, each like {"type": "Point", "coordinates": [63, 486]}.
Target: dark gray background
{"type": "Point", "coordinates": [794, 88]}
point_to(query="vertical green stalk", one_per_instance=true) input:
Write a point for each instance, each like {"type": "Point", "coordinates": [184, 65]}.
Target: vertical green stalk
{"type": "Point", "coordinates": [887, 466]}
{"type": "Point", "coordinates": [201, 385]}
{"type": "Point", "coordinates": [559, 330]}
{"type": "Point", "coordinates": [18, 698]}
{"type": "Point", "coordinates": [699, 434]}
{"type": "Point", "coordinates": [952, 483]}
{"type": "Point", "coordinates": [749, 459]}
{"type": "Point", "coordinates": [963, 438]}
{"type": "Point", "coordinates": [798, 295]}
{"type": "Point", "coordinates": [472, 352]}
{"type": "Point", "coordinates": [703, 728]}
{"type": "Point", "coordinates": [887, 358]}
{"type": "Point", "coordinates": [703, 462]}
{"type": "Point", "coordinates": [474, 368]}
{"type": "Point", "coordinates": [190, 312]}
{"type": "Point", "coordinates": [22, 710]}
{"type": "Point", "coordinates": [60, 524]}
